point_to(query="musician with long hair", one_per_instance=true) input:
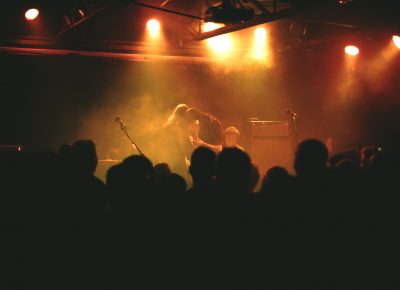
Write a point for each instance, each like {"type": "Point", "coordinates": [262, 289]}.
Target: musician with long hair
{"type": "Point", "coordinates": [178, 147]}
{"type": "Point", "coordinates": [206, 130]}
{"type": "Point", "coordinates": [186, 129]}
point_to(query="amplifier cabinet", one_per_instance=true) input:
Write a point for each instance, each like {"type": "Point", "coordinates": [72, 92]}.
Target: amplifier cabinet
{"type": "Point", "coordinates": [271, 145]}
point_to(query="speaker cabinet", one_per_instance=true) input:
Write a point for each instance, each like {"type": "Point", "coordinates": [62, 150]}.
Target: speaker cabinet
{"type": "Point", "coordinates": [271, 145]}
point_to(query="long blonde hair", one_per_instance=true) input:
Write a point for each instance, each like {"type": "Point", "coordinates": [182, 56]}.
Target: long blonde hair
{"type": "Point", "coordinates": [178, 112]}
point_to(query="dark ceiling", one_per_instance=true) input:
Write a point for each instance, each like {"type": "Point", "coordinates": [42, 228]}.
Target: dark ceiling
{"type": "Point", "coordinates": [111, 24]}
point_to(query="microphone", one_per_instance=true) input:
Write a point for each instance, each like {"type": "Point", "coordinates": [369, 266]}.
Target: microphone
{"type": "Point", "coordinates": [291, 113]}
{"type": "Point", "coordinates": [118, 120]}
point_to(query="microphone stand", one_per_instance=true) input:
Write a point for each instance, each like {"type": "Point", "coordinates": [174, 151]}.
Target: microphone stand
{"type": "Point", "coordinates": [295, 131]}
{"type": "Point", "coordinates": [124, 129]}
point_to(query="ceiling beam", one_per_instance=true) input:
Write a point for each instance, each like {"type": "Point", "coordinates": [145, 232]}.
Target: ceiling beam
{"type": "Point", "coordinates": [257, 20]}
{"type": "Point", "coordinates": [93, 13]}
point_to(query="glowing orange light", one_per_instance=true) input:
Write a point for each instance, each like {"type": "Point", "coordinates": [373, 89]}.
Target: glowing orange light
{"type": "Point", "coordinates": [260, 34]}
{"type": "Point", "coordinates": [31, 14]}
{"type": "Point", "coordinates": [153, 26]}
{"type": "Point", "coordinates": [260, 44]}
{"type": "Point", "coordinates": [352, 50]}
{"type": "Point", "coordinates": [220, 44]}
{"type": "Point", "coordinates": [396, 41]}
{"type": "Point", "coordinates": [210, 26]}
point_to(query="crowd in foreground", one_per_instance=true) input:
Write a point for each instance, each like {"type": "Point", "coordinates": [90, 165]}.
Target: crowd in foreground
{"type": "Point", "coordinates": [336, 218]}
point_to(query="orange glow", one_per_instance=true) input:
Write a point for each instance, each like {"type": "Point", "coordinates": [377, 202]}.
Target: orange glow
{"type": "Point", "coordinates": [153, 27]}
{"type": "Point", "coordinates": [31, 14]}
{"type": "Point", "coordinates": [260, 34]}
{"type": "Point", "coordinates": [221, 44]}
{"type": "Point", "coordinates": [396, 41]}
{"type": "Point", "coordinates": [348, 82]}
{"type": "Point", "coordinates": [260, 44]}
{"type": "Point", "coordinates": [352, 50]}
{"type": "Point", "coordinates": [210, 26]}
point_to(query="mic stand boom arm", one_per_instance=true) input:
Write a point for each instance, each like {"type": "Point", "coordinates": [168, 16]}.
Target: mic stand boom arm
{"type": "Point", "coordinates": [124, 129]}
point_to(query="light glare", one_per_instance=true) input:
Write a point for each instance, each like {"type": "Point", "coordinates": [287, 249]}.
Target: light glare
{"type": "Point", "coordinates": [210, 26]}
{"type": "Point", "coordinates": [31, 14]}
{"type": "Point", "coordinates": [153, 26]}
{"type": "Point", "coordinates": [260, 44]}
{"type": "Point", "coordinates": [396, 41]}
{"type": "Point", "coordinates": [352, 50]}
{"type": "Point", "coordinates": [220, 44]}
{"type": "Point", "coordinates": [260, 34]}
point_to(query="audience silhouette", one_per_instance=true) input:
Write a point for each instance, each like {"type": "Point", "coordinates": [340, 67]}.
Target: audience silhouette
{"type": "Point", "coordinates": [146, 218]}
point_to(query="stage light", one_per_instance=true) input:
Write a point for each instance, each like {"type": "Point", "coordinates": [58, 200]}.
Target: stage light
{"type": "Point", "coordinates": [260, 34]}
{"type": "Point", "coordinates": [153, 26]}
{"type": "Point", "coordinates": [352, 50]}
{"type": "Point", "coordinates": [210, 26]}
{"type": "Point", "coordinates": [396, 41]}
{"type": "Point", "coordinates": [220, 44]}
{"type": "Point", "coordinates": [31, 14]}
{"type": "Point", "coordinates": [260, 44]}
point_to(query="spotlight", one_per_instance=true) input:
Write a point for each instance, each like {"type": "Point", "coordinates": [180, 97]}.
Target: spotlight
{"type": "Point", "coordinates": [220, 44]}
{"type": "Point", "coordinates": [210, 26]}
{"type": "Point", "coordinates": [352, 50]}
{"type": "Point", "coordinates": [260, 44]}
{"type": "Point", "coordinates": [260, 34]}
{"type": "Point", "coordinates": [31, 14]}
{"type": "Point", "coordinates": [344, 2]}
{"type": "Point", "coordinates": [153, 26]}
{"type": "Point", "coordinates": [396, 41]}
